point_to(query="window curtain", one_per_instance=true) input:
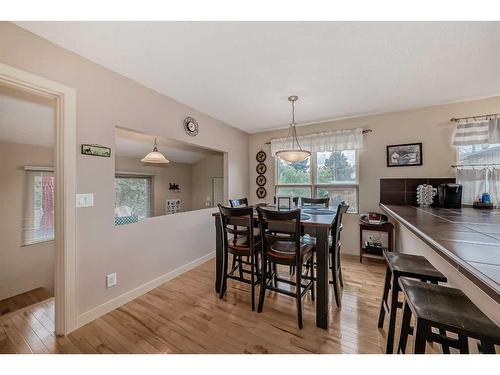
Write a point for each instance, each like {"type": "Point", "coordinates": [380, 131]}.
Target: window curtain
{"type": "Point", "coordinates": [473, 181]}
{"type": "Point", "coordinates": [494, 185]}
{"type": "Point", "coordinates": [338, 140]}
{"type": "Point", "coordinates": [477, 132]}
{"type": "Point", "coordinates": [38, 207]}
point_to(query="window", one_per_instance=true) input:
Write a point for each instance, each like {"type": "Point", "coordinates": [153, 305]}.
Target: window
{"type": "Point", "coordinates": [133, 196]}
{"type": "Point", "coordinates": [479, 171]}
{"type": "Point", "coordinates": [324, 174]}
{"type": "Point", "coordinates": [38, 222]}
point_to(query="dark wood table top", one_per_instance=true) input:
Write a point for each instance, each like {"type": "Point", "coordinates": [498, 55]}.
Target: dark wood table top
{"type": "Point", "coordinates": [467, 238]}
{"type": "Point", "coordinates": [311, 216]}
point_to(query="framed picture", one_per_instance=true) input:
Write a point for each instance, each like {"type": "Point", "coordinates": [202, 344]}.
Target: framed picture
{"type": "Point", "coordinates": [96, 150]}
{"type": "Point", "coordinates": [404, 155]}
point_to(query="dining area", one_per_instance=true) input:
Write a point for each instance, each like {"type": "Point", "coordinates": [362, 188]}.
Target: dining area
{"type": "Point", "coordinates": [292, 247]}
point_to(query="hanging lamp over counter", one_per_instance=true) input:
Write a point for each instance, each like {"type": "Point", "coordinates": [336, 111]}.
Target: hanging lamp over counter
{"type": "Point", "coordinates": [295, 154]}
{"type": "Point", "coordinates": [155, 156]}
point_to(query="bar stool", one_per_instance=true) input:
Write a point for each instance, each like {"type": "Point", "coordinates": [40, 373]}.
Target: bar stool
{"type": "Point", "coordinates": [449, 310]}
{"type": "Point", "coordinates": [402, 265]}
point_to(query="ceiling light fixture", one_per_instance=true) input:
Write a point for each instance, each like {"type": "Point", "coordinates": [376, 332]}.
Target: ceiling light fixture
{"type": "Point", "coordinates": [155, 157]}
{"type": "Point", "coordinates": [296, 153]}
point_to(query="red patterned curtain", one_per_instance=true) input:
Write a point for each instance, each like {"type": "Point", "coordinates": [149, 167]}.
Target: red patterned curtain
{"type": "Point", "coordinates": [47, 202]}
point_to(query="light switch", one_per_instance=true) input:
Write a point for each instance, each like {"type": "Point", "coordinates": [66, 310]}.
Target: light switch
{"type": "Point", "coordinates": [85, 200]}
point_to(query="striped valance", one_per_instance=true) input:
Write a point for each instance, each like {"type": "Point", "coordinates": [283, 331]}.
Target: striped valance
{"type": "Point", "coordinates": [477, 132]}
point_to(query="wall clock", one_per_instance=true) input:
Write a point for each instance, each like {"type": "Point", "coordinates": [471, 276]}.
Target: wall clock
{"type": "Point", "coordinates": [261, 168]}
{"type": "Point", "coordinates": [261, 180]}
{"type": "Point", "coordinates": [261, 156]}
{"type": "Point", "coordinates": [191, 126]}
{"type": "Point", "coordinates": [261, 192]}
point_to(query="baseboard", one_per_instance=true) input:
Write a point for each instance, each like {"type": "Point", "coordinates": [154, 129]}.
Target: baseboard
{"type": "Point", "coordinates": [116, 302]}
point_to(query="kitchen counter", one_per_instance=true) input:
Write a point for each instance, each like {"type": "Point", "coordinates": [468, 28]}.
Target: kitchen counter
{"type": "Point", "coordinates": [468, 239]}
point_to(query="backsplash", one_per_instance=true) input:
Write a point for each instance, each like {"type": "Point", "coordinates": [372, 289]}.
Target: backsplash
{"type": "Point", "coordinates": [403, 191]}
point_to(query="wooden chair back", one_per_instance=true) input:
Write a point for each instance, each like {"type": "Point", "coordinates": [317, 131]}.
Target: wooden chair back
{"type": "Point", "coordinates": [283, 226]}
{"type": "Point", "coordinates": [315, 201]}
{"type": "Point", "coordinates": [237, 221]}
{"type": "Point", "coordinates": [238, 202]}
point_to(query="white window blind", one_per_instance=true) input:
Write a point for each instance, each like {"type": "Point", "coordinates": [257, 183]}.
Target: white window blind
{"type": "Point", "coordinates": [38, 216]}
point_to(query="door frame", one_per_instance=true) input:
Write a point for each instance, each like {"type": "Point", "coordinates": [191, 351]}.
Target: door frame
{"type": "Point", "coordinates": [65, 290]}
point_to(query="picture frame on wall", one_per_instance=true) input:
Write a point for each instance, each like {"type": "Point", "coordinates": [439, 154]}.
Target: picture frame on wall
{"type": "Point", "coordinates": [404, 155]}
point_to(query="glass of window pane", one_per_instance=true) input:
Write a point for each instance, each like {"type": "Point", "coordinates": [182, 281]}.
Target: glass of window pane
{"type": "Point", "coordinates": [135, 193]}
{"type": "Point", "coordinates": [479, 154]}
{"type": "Point", "coordinates": [336, 167]}
{"type": "Point", "coordinates": [294, 173]}
{"type": "Point", "coordinates": [294, 191]}
{"type": "Point", "coordinates": [337, 195]}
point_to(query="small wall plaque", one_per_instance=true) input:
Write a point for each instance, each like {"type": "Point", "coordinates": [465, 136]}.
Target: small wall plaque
{"type": "Point", "coordinates": [96, 150]}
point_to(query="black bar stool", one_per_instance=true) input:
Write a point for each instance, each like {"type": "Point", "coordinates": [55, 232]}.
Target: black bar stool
{"type": "Point", "coordinates": [449, 310]}
{"type": "Point", "coordinates": [402, 265]}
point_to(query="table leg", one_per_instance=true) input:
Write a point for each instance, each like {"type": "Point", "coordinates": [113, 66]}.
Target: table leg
{"type": "Point", "coordinates": [322, 277]}
{"type": "Point", "coordinates": [219, 258]}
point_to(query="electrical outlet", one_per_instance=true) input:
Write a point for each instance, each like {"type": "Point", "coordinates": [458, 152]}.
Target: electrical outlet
{"type": "Point", "coordinates": [111, 280]}
{"type": "Point", "coordinates": [85, 200]}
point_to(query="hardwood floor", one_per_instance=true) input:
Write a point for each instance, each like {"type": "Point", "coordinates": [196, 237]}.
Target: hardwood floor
{"type": "Point", "coordinates": [24, 300]}
{"type": "Point", "coordinates": [185, 315]}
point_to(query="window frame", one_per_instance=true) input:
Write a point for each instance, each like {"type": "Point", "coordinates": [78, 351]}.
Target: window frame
{"type": "Point", "coordinates": [151, 187]}
{"type": "Point", "coordinates": [314, 185]}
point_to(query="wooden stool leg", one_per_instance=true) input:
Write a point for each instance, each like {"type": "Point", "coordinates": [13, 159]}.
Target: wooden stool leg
{"type": "Point", "coordinates": [392, 315]}
{"type": "Point", "coordinates": [313, 287]}
{"type": "Point", "coordinates": [298, 290]}
{"type": "Point", "coordinates": [224, 274]}
{"type": "Point", "coordinates": [445, 347]}
{"type": "Point", "coordinates": [420, 337]}
{"type": "Point", "coordinates": [335, 281]}
{"type": "Point", "coordinates": [263, 283]}
{"type": "Point", "coordinates": [464, 344]}
{"type": "Point", "coordinates": [405, 329]}
{"type": "Point", "coordinates": [252, 279]}
{"type": "Point", "coordinates": [240, 266]}
{"type": "Point", "coordinates": [387, 287]}
{"type": "Point", "coordinates": [487, 347]}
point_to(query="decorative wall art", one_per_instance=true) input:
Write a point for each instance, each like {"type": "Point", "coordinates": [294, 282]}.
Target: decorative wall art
{"type": "Point", "coordinates": [261, 168]}
{"type": "Point", "coordinates": [261, 180]}
{"type": "Point", "coordinates": [261, 192]}
{"type": "Point", "coordinates": [96, 150]}
{"type": "Point", "coordinates": [404, 155]}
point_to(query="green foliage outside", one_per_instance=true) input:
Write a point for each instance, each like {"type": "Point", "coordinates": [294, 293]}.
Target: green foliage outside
{"type": "Point", "coordinates": [134, 193]}
{"type": "Point", "coordinates": [336, 168]}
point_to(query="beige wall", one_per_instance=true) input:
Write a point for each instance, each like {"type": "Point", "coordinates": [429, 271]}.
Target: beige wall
{"type": "Point", "coordinates": [22, 268]}
{"type": "Point", "coordinates": [179, 173]}
{"type": "Point", "coordinates": [141, 252]}
{"type": "Point", "coordinates": [202, 173]}
{"type": "Point", "coordinates": [430, 125]}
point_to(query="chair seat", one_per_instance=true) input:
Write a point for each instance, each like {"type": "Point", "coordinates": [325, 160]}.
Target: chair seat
{"type": "Point", "coordinates": [285, 251]}
{"type": "Point", "coordinates": [415, 266]}
{"type": "Point", "coordinates": [242, 245]}
{"type": "Point", "coordinates": [449, 307]}
{"type": "Point", "coordinates": [312, 241]}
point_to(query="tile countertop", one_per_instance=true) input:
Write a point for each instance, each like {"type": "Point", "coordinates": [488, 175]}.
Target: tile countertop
{"type": "Point", "coordinates": [468, 238]}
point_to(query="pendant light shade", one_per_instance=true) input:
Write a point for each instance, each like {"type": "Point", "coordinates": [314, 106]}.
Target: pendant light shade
{"type": "Point", "coordinates": [295, 154]}
{"type": "Point", "coordinates": [155, 157]}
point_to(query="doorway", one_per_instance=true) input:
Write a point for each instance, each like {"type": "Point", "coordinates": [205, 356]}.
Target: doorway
{"type": "Point", "coordinates": [62, 183]}
{"type": "Point", "coordinates": [27, 186]}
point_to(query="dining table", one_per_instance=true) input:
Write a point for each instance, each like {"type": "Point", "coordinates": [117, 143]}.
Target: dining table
{"type": "Point", "coordinates": [316, 221]}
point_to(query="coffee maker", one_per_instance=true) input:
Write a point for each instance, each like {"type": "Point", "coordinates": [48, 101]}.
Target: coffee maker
{"type": "Point", "coordinates": [449, 196]}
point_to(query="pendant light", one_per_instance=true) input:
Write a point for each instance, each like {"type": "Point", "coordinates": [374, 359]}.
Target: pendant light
{"type": "Point", "coordinates": [155, 157]}
{"type": "Point", "coordinates": [295, 154]}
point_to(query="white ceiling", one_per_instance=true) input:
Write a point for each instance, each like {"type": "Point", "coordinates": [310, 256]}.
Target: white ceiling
{"type": "Point", "coordinates": [26, 118]}
{"type": "Point", "coordinates": [137, 145]}
{"type": "Point", "coordinates": [243, 72]}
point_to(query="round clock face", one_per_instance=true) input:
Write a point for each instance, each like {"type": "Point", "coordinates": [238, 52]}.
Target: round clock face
{"type": "Point", "coordinates": [261, 156]}
{"type": "Point", "coordinates": [261, 192]}
{"type": "Point", "coordinates": [191, 126]}
{"type": "Point", "coordinates": [261, 168]}
{"type": "Point", "coordinates": [261, 180]}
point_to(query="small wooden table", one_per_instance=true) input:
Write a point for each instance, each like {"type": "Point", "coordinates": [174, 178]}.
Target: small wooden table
{"type": "Point", "coordinates": [316, 222]}
{"type": "Point", "coordinates": [386, 227]}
